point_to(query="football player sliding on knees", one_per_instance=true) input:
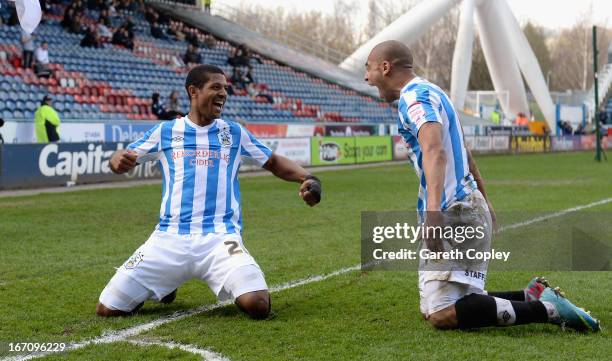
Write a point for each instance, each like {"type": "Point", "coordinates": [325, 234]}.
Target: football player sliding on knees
{"type": "Point", "coordinates": [199, 231]}
{"type": "Point", "coordinates": [451, 189]}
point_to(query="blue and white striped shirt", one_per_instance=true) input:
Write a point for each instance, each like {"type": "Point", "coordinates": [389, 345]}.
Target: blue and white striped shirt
{"type": "Point", "coordinates": [421, 102]}
{"type": "Point", "coordinates": [199, 166]}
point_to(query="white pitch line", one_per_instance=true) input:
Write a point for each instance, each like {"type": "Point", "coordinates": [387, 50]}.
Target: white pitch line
{"type": "Point", "coordinates": [207, 355]}
{"type": "Point", "coordinates": [554, 215]}
{"type": "Point", "coordinates": [122, 335]}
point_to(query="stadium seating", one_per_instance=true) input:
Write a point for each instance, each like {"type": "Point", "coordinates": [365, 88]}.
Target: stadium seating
{"type": "Point", "coordinates": [113, 83]}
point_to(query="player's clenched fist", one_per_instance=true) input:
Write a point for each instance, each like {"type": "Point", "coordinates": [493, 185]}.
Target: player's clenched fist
{"type": "Point", "coordinates": [123, 161]}
{"type": "Point", "coordinates": [310, 190]}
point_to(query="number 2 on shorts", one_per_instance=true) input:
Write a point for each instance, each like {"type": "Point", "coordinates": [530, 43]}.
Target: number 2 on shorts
{"type": "Point", "coordinates": [234, 247]}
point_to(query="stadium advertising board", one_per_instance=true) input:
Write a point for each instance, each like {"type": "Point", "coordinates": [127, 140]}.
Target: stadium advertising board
{"type": "Point", "coordinates": [565, 143]}
{"type": "Point", "coordinates": [530, 144]}
{"type": "Point", "coordinates": [500, 143]}
{"type": "Point", "coordinates": [23, 132]}
{"type": "Point", "coordinates": [300, 130]}
{"type": "Point", "coordinates": [332, 150]}
{"type": "Point", "coordinates": [125, 132]}
{"type": "Point", "coordinates": [372, 149]}
{"type": "Point", "coordinates": [268, 130]}
{"type": "Point", "coordinates": [349, 150]}
{"type": "Point", "coordinates": [350, 130]}
{"type": "Point", "coordinates": [484, 144]}
{"type": "Point", "coordinates": [54, 164]}
{"type": "Point", "coordinates": [587, 142]}
{"type": "Point", "coordinates": [296, 149]}
{"type": "Point", "coordinates": [481, 144]}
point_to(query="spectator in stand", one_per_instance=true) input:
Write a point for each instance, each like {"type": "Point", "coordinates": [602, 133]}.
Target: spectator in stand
{"type": "Point", "coordinates": [122, 38]}
{"type": "Point", "coordinates": [192, 56]}
{"type": "Point", "coordinates": [157, 108]}
{"type": "Point", "coordinates": [129, 25]}
{"type": "Point", "coordinates": [46, 122]}
{"type": "Point", "coordinates": [207, 4]}
{"type": "Point", "coordinates": [257, 92]}
{"type": "Point", "coordinates": [176, 31]}
{"type": "Point", "coordinates": [104, 32]}
{"type": "Point", "coordinates": [191, 35]}
{"type": "Point", "coordinates": [27, 44]}
{"type": "Point", "coordinates": [173, 105]}
{"type": "Point", "coordinates": [249, 76]}
{"type": "Point", "coordinates": [69, 15]}
{"type": "Point", "coordinates": [112, 9]}
{"type": "Point", "coordinates": [239, 56]}
{"type": "Point", "coordinates": [41, 57]}
{"type": "Point", "coordinates": [150, 14]}
{"type": "Point", "coordinates": [239, 81]}
{"type": "Point", "coordinates": [566, 128]}
{"type": "Point", "coordinates": [91, 38]}
{"type": "Point", "coordinates": [157, 32]}
{"type": "Point", "coordinates": [521, 120]}
{"type": "Point", "coordinates": [105, 19]}
{"type": "Point", "coordinates": [210, 41]}
{"type": "Point", "coordinates": [77, 27]}
{"type": "Point", "coordinates": [603, 115]}
{"type": "Point", "coordinates": [13, 18]}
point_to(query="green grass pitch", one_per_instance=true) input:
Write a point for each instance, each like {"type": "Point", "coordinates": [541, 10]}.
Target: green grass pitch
{"type": "Point", "coordinates": [59, 250]}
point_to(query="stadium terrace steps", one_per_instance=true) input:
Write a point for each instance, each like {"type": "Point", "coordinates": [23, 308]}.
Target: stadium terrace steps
{"type": "Point", "coordinates": [113, 83]}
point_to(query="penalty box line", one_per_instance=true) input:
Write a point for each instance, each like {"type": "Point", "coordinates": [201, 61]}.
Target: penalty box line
{"type": "Point", "coordinates": [123, 335]}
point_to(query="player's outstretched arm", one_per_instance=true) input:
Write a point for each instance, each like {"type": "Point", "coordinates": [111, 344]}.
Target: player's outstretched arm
{"type": "Point", "coordinates": [123, 161]}
{"type": "Point", "coordinates": [434, 166]}
{"type": "Point", "coordinates": [434, 163]}
{"type": "Point", "coordinates": [286, 169]}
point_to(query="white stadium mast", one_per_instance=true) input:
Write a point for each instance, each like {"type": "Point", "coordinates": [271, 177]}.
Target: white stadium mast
{"type": "Point", "coordinates": [504, 45]}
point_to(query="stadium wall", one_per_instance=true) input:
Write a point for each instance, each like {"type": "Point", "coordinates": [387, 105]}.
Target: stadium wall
{"type": "Point", "coordinates": [75, 132]}
{"type": "Point", "coordinates": [59, 164]}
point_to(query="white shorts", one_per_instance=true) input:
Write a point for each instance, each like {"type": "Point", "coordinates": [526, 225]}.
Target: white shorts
{"type": "Point", "coordinates": [167, 260]}
{"type": "Point", "coordinates": [438, 295]}
{"type": "Point", "coordinates": [442, 287]}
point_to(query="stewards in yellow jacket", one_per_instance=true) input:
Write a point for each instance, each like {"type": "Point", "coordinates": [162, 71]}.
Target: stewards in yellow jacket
{"type": "Point", "coordinates": [47, 122]}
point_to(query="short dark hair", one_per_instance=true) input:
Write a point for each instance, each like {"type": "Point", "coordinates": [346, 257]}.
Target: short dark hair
{"type": "Point", "coordinates": [200, 75]}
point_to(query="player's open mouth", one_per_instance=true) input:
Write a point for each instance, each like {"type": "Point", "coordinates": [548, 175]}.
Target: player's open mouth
{"type": "Point", "coordinates": [218, 105]}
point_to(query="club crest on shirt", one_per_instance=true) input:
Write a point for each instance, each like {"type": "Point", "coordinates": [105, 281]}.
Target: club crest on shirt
{"type": "Point", "coordinates": [133, 261]}
{"type": "Point", "coordinates": [176, 141]}
{"type": "Point", "coordinates": [225, 137]}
